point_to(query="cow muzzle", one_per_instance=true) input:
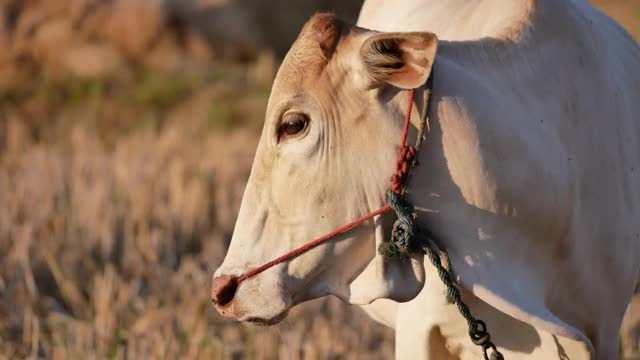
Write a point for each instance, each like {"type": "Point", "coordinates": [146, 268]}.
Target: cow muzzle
{"type": "Point", "coordinates": [261, 300]}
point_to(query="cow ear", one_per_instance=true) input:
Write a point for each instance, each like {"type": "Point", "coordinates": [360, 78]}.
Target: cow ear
{"type": "Point", "coordinates": [403, 60]}
{"type": "Point", "coordinates": [399, 279]}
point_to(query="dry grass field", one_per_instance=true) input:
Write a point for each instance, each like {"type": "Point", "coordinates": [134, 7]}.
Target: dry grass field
{"type": "Point", "coordinates": [125, 145]}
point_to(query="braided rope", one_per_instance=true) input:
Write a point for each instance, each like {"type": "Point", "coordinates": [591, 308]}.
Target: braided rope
{"type": "Point", "coordinates": [477, 328]}
{"type": "Point", "coordinates": [403, 242]}
{"type": "Point", "coordinates": [403, 229]}
{"type": "Point", "coordinates": [403, 238]}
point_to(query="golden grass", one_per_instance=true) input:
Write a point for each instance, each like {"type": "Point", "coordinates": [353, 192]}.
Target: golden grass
{"type": "Point", "coordinates": [109, 236]}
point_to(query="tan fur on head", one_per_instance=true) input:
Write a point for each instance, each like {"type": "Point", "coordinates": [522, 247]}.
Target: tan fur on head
{"type": "Point", "coordinates": [324, 30]}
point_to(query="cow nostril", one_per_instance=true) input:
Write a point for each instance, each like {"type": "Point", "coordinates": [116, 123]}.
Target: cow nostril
{"type": "Point", "coordinates": [223, 289]}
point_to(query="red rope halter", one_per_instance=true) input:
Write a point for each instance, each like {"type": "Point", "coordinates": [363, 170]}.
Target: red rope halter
{"type": "Point", "coordinates": [405, 155]}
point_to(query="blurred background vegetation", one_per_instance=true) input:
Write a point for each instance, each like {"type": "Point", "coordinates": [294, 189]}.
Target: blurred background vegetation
{"type": "Point", "coordinates": [127, 130]}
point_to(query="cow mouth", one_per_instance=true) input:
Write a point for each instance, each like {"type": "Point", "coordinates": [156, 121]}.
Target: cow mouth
{"type": "Point", "coordinates": [230, 311]}
{"type": "Point", "coordinates": [267, 321]}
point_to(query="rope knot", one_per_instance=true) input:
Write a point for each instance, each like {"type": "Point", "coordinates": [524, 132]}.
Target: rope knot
{"type": "Point", "coordinates": [480, 336]}
{"type": "Point", "coordinates": [403, 230]}
{"type": "Point", "coordinates": [478, 333]}
{"type": "Point", "coordinates": [403, 166]}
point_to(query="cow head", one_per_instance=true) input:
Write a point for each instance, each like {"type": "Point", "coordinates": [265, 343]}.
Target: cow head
{"type": "Point", "coordinates": [327, 149]}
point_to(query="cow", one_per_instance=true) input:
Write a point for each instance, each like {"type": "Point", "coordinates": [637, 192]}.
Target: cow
{"type": "Point", "coordinates": [528, 177]}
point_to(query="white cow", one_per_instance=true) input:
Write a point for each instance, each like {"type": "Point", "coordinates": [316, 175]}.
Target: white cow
{"type": "Point", "coordinates": [529, 176]}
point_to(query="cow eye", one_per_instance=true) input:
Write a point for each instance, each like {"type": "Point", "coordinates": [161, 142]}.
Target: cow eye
{"type": "Point", "coordinates": [293, 124]}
